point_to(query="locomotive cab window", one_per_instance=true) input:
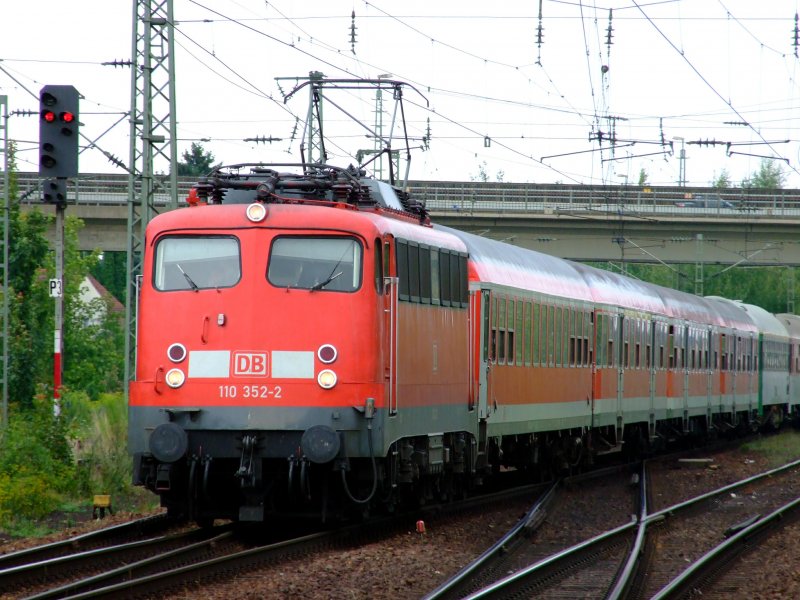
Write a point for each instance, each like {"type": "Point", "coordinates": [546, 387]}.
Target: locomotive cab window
{"type": "Point", "coordinates": [196, 263]}
{"type": "Point", "coordinates": [316, 263]}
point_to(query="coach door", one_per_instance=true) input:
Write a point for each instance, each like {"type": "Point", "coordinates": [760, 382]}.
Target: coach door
{"type": "Point", "coordinates": [390, 296]}
{"type": "Point", "coordinates": [485, 356]}
{"type": "Point", "coordinates": [605, 382]}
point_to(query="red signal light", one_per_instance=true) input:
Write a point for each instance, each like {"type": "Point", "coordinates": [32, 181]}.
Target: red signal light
{"type": "Point", "coordinates": [67, 117]}
{"type": "Point", "coordinates": [49, 116]}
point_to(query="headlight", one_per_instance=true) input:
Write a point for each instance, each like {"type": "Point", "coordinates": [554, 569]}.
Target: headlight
{"type": "Point", "coordinates": [175, 378]}
{"type": "Point", "coordinates": [256, 212]}
{"type": "Point", "coordinates": [326, 379]}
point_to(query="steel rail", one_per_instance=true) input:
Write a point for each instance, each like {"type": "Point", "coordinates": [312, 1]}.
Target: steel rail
{"type": "Point", "coordinates": [43, 551]}
{"type": "Point", "coordinates": [717, 555]}
{"type": "Point", "coordinates": [526, 522]}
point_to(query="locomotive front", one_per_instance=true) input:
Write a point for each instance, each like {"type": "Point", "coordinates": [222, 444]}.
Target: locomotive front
{"type": "Point", "coordinates": [259, 366]}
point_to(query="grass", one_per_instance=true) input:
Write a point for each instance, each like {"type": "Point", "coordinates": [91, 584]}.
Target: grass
{"type": "Point", "coordinates": [778, 449]}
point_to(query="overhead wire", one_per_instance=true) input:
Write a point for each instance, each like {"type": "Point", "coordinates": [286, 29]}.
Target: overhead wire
{"type": "Point", "coordinates": [452, 121]}
{"type": "Point", "coordinates": [708, 84]}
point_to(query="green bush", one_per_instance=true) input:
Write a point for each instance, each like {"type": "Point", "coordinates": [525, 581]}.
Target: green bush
{"type": "Point", "coordinates": [50, 464]}
{"type": "Point", "coordinates": [27, 495]}
{"type": "Point", "coordinates": [35, 465]}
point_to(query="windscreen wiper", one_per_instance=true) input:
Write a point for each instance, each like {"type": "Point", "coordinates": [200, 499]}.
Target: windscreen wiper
{"type": "Point", "coordinates": [322, 284]}
{"type": "Point", "coordinates": [192, 284]}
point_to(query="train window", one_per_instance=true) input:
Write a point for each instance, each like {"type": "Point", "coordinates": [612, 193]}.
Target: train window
{"type": "Point", "coordinates": [425, 284]}
{"type": "Point", "coordinates": [493, 346]}
{"type": "Point", "coordinates": [463, 279]}
{"type": "Point", "coordinates": [378, 267]}
{"type": "Point", "coordinates": [558, 329]}
{"type": "Point", "coordinates": [551, 317]}
{"type": "Point", "coordinates": [434, 271]}
{"type": "Point", "coordinates": [526, 331]}
{"type": "Point", "coordinates": [413, 272]}
{"type": "Point", "coordinates": [487, 317]}
{"type": "Point", "coordinates": [501, 326]}
{"type": "Point", "coordinates": [444, 277]}
{"type": "Point", "coordinates": [331, 264]}
{"type": "Point", "coordinates": [455, 280]}
{"type": "Point", "coordinates": [585, 335]}
{"type": "Point", "coordinates": [401, 253]}
{"type": "Point", "coordinates": [520, 327]}
{"type": "Point", "coordinates": [535, 349]}
{"type": "Point", "coordinates": [196, 262]}
{"type": "Point", "coordinates": [570, 328]}
{"type": "Point", "coordinates": [510, 329]}
{"type": "Point", "coordinates": [600, 321]}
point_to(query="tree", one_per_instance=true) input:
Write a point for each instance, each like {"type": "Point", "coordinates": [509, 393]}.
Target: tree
{"type": "Point", "coordinates": [196, 161]}
{"type": "Point", "coordinates": [483, 174]}
{"type": "Point", "coordinates": [112, 271]}
{"type": "Point", "coordinates": [93, 355]}
{"type": "Point", "coordinates": [642, 176]}
{"type": "Point", "coordinates": [770, 175]}
{"type": "Point", "coordinates": [723, 181]}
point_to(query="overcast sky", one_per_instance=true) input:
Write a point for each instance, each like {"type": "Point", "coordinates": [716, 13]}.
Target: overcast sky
{"type": "Point", "coordinates": [496, 100]}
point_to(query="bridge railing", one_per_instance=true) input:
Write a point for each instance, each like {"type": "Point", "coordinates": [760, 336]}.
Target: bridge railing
{"type": "Point", "coordinates": [467, 198]}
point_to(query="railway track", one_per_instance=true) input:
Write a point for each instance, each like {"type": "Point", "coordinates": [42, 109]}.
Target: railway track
{"type": "Point", "coordinates": [686, 541]}
{"type": "Point", "coordinates": [160, 563]}
{"type": "Point", "coordinates": [543, 555]}
{"type": "Point", "coordinates": [117, 534]}
{"type": "Point", "coordinates": [654, 555]}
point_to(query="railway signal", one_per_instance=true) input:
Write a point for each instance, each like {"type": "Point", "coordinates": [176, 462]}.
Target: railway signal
{"type": "Point", "coordinates": [54, 191]}
{"type": "Point", "coordinates": [58, 131]}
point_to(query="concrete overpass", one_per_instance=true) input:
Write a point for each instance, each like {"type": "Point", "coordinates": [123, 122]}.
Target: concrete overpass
{"type": "Point", "coordinates": [585, 223]}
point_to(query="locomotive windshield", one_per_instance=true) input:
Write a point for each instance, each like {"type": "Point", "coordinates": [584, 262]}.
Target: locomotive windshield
{"type": "Point", "coordinates": [196, 262]}
{"type": "Point", "coordinates": [315, 263]}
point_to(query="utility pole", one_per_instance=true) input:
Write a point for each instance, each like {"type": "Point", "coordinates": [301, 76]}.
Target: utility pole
{"type": "Point", "coordinates": [681, 162]}
{"type": "Point", "coordinates": [698, 266]}
{"type": "Point", "coordinates": [153, 134]}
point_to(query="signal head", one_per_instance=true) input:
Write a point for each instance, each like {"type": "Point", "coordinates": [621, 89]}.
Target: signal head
{"type": "Point", "coordinates": [58, 131]}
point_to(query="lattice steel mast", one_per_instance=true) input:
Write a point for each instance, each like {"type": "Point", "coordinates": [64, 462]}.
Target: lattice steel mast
{"type": "Point", "coordinates": [153, 137]}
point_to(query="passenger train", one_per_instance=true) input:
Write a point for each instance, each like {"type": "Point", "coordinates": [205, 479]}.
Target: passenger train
{"type": "Point", "coordinates": [309, 342]}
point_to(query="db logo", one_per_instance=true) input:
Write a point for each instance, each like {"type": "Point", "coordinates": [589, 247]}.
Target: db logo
{"type": "Point", "coordinates": [250, 363]}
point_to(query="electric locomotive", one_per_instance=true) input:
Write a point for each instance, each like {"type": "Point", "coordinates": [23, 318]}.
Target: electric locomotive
{"type": "Point", "coordinates": [277, 367]}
